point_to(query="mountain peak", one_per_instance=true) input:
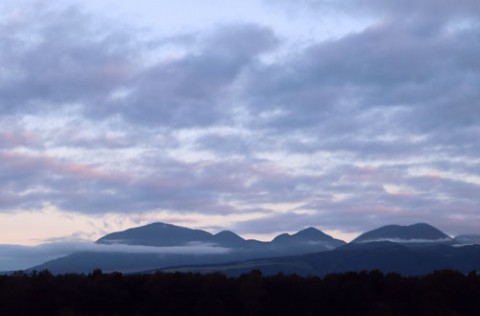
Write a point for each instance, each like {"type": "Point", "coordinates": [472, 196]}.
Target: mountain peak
{"type": "Point", "coordinates": [226, 233]}
{"type": "Point", "coordinates": [310, 236]}
{"type": "Point", "coordinates": [227, 237]}
{"type": "Point", "coordinates": [312, 233]}
{"type": "Point", "coordinates": [416, 233]}
{"type": "Point", "coordinates": [156, 234]}
{"type": "Point", "coordinates": [282, 237]}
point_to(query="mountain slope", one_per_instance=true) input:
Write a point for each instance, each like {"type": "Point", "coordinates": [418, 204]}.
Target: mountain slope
{"type": "Point", "coordinates": [229, 238]}
{"type": "Point", "coordinates": [305, 252]}
{"type": "Point", "coordinates": [312, 233]}
{"type": "Point", "coordinates": [85, 262]}
{"type": "Point", "coordinates": [309, 238]}
{"type": "Point", "coordinates": [383, 256]}
{"type": "Point", "coordinates": [226, 245]}
{"type": "Point", "coordinates": [167, 235]}
{"type": "Point", "coordinates": [467, 239]}
{"type": "Point", "coordinates": [157, 234]}
{"type": "Point", "coordinates": [416, 233]}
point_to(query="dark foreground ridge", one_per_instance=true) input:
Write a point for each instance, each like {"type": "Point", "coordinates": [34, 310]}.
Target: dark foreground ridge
{"type": "Point", "coordinates": [356, 293]}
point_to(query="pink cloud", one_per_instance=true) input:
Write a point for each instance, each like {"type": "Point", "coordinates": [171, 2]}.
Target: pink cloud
{"type": "Point", "coordinates": [17, 138]}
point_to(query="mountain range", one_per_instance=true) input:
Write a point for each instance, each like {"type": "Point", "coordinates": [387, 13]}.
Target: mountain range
{"type": "Point", "coordinates": [384, 256]}
{"type": "Point", "coordinates": [420, 234]}
{"type": "Point", "coordinates": [171, 245]}
{"type": "Point", "coordinates": [411, 250]}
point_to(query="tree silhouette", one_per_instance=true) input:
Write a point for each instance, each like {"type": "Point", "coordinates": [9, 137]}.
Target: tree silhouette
{"type": "Point", "coordinates": [354, 293]}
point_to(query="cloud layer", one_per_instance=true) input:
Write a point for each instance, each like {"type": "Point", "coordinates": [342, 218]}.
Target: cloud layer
{"type": "Point", "coordinates": [15, 257]}
{"type": "Point", "coordinates": [379, 125]}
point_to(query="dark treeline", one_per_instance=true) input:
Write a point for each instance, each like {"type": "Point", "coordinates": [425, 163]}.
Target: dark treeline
{"type": "Point", "coordinates": [356, 293]}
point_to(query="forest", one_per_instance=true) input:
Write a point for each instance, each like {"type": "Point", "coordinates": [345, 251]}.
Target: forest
{"type": "Point", "coordinates": [443, 292]}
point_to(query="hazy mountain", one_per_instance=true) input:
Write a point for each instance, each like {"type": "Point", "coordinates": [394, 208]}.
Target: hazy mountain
{"type": "Point", "coordinates": [413, 234]}
{"type": "Point", "coordinates": [312, 233]}
{"type": "Point", "coordinates": [467, 239]}
{"type": "Point", "coordinates": [387, 248]}
{"type": "Point", "coordinates": [228, 238]}
{"type": "Point", "coordinates": [184, 241]}
{"type": "Point", "coordinates": [157, 234]}
{"type": "Point", "coordinates": [384, 256]}
{"type": "Point", "coordinates": [308, 251]}
{"type": "Point", "coordinates": [167, 235]}
{"type": "Point", "coordinates": [84, 262]}
{"type": "Point", "coordinates": [307, 238]}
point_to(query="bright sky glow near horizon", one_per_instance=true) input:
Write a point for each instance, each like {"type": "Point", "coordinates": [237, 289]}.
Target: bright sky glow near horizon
{"type": "Point", "coordinates": [256, 116]}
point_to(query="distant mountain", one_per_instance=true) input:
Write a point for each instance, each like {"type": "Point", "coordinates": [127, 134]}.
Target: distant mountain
{"type": "Point", "coordinates": [467, 239]}
{"type": "Point", "coordinates": [307, 238]}
{"type": "Point", "coordinates": [308, 234]}
{"type": "Point", "coordinates": [383, 256]}
{"type": "Point", "coordinates": [165, 235]}
{"type": "Point", "coordinates": [410, 250]}
{"type": "Point", "coordinates": [413, 234]}
{"type": "Point", "coordinates": [312, 233]}
{"type": "Point", "coordinates": [157, 234]}
{"type": "Point", "coordinates": [85, 262]}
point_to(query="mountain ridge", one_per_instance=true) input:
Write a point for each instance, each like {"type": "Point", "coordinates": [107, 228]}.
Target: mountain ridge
{"type": "Point", "coordinates": [384, 256]}
{"type": "Point", "coordinates": [164, 235]}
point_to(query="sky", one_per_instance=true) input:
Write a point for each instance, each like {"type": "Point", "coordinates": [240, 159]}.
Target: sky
{"type": "Point", "coordinates": [256, 116]}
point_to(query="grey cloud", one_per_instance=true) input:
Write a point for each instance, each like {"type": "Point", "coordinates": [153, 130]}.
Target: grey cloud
{"type": "Point", "coordinates": [228, 144]}
{"type": "Point", "coordinates": [62, 58]}
{"type": "Point", "coordinates": [11, 138]}
{"type": "Point", "coordinates": [354, 199]}
{"type": "Point", "coordinates": [30, 181]}
{"type": "Point", "coordinates": [195, 89]}
{"type": "Point", "coordinates": [57, 58]}
{"type": "Point", "coordinates": [398, 95]}
{"type": "Point", "coordinates": [386, 92]}
{"type": "Point", "coordinates": [243, 41]}
{"type": "Point", "coordinates": [376, 68]}
{"type": "Point", "coordinates": [346, 197]}
{"type": "Point", "coordinates": [439, 10]}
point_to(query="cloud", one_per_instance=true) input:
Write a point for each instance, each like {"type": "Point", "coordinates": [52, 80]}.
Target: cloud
{"type": "Point", "coordinates": [206, 187]}
{"type": "Point", "coordinates": [383, 68]}
{"type": "Point", "coordinates": [424, 9]}
{"type": "Point", "coordinates": [15, 257]}
{"type": "Point", "coordinates": [57, 59]}
{"type": "Point", "coordinates": [192, 90]}
{"type": "Point", "coordinates": [15, 138]}
{"type": "Point", "coordinates": [375, 126]}
{"type": "Point", "coordinates": [62, 58]}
